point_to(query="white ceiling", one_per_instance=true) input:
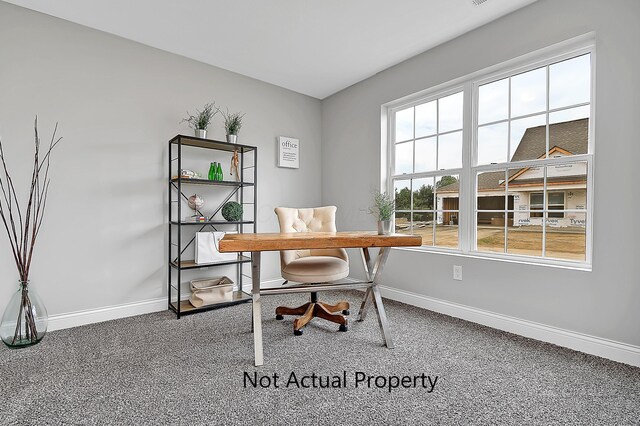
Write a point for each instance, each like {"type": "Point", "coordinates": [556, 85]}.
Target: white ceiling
{"type": "Point", "coordinates": [312, 47]}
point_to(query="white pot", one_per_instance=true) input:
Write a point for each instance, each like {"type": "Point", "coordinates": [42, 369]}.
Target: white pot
{"type": "Point", "coordinates": [232, 138]}
{"type": "Point", "coordinates": [201, 133]}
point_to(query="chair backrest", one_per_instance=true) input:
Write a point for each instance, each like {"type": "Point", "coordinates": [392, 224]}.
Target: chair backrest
{"type": "Point", "coordinates": [318, 219]}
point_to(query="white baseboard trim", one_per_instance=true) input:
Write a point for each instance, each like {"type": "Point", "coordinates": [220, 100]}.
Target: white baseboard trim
{"type": "Point", "coordinates": [91, 316]}
{"type": "Point", "coordinates": [616, 351]}
{"type": "Point", "coordinates": [271, 283]}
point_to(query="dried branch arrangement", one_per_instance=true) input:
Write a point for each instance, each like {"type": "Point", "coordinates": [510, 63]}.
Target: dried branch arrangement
{"type": "Point", "coordinates": [23, 225]}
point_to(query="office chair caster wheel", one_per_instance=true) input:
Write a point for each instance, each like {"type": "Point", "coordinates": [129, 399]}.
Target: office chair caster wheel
{"type": "Point", "coordinates": [343, 327]}
{"type": "Point", "coordinates": [345, 312]}
{"type": "Point", "coordinates": [297, 332]}
{"type": "Point", "coordinates": [279, 317]}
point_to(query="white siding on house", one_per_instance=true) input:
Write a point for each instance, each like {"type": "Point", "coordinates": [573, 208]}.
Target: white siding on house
{"type": "Point", "coordinates": [575, 195]}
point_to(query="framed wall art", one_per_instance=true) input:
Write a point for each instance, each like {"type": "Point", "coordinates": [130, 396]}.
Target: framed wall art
{"type": "Point", "coordinates": [288, 152]}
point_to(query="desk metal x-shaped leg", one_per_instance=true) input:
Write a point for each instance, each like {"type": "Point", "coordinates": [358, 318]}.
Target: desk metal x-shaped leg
{"type": "Point", "coordinates": [373, 270]}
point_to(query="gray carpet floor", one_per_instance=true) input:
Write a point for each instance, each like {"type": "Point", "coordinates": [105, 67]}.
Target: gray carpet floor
{"type": "Point", "coordinates": [156, 370]}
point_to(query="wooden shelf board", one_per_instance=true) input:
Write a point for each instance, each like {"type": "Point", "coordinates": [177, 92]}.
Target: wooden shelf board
{"type": "Point", "coordinates": [210, 143]}
{"type": "Point", "coordinates": [187, 308]}
{"type": "Point", "coordinates": [190, 264]}
{"type": "Point", "coordinates": [194, 181]}
{"type": "Point", "coordinates": [214, 222]}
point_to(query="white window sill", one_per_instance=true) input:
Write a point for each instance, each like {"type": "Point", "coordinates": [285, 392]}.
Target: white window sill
{"type": "Point", "coordinates": [526, 260]}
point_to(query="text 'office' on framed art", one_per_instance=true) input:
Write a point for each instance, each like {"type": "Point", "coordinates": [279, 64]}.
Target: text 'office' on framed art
{"type": "Point", "coordinates": [288, 152]}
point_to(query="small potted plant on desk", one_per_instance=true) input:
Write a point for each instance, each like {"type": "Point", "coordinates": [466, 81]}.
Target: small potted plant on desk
{"type": "Point", "coordinates": [383, 208]}
{"type": "Point", "coordinates": [232, 124]}
{"type": "Point", "coordinates": [201, 120]}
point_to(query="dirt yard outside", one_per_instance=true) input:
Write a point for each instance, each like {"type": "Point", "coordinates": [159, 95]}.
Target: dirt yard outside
{"type": "Point", "coordinates": [562, 243]}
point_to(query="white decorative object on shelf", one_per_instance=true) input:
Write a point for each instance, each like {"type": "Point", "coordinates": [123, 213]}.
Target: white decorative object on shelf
{"type": "Point", "coordinates": [207, 248]}
{"type": "Point", "coordinates": [195, 202]}
{"type": "Point", "coordinates": [188, 174]}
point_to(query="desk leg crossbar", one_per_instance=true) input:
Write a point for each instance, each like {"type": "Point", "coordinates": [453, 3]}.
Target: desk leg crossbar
{"type": "Point", "coordinates": [373, 271]}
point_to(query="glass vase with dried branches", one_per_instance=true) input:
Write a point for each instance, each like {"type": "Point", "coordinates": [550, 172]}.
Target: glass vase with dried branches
{"type": "Point", "coordinates": [24, 322]}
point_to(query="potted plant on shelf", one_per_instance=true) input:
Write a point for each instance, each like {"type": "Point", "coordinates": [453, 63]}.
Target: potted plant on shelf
{"type": "Point", "coordinates": [383, 208]}
{"type": "Point", "coordinates": [232, 124]}
{"type": "Point", "coordinates": [201, 120]}
{"type": "Point", "coordinates": [24, 322]}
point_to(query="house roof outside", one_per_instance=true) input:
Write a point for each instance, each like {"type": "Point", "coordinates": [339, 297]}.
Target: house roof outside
{"type": "Point", "coordinates": [571, 136]}
{"type": "Point", "coordinates": [568, 136]}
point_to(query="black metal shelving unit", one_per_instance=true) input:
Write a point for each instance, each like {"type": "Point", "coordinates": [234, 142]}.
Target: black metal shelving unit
{"type": "Point", "coordinates": [178, 261]}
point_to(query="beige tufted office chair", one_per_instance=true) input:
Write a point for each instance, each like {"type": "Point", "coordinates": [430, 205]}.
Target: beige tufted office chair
{"type": "Point", "coordinates": [312, 266]}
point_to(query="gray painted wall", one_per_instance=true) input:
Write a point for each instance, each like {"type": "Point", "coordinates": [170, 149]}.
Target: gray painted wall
{"type": "Point", "coordinates": [118, 103]}
{"type": "Point", "coordinates": [601, 303]}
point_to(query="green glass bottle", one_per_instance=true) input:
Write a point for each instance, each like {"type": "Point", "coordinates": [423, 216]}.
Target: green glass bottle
{"type": "Point", "coordinates": [212, 171]}
{"type": "Point", "coordinates": [220, 175]}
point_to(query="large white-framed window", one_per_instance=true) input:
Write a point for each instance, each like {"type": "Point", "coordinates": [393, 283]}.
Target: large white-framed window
{"type": "Point", "coordinates": [520, 186]}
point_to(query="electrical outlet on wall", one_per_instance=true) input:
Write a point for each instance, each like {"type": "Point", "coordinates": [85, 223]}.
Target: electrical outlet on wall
{"type": "Point", "coordinates": [457, 272]}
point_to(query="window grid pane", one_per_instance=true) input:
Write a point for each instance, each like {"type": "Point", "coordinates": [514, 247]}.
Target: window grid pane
{"type": "Point", "coordinates": [404, 125]}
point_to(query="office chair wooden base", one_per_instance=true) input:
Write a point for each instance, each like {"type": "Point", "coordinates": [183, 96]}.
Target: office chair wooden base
{"type": "Point", "coordinates": [317, 309]}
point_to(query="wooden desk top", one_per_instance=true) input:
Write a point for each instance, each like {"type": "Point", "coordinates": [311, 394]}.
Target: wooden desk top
{"type": "Point", "coordinates": [314, 240]}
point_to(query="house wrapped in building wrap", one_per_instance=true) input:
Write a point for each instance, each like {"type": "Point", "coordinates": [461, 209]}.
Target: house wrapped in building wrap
{"type": "Point", "coordinates": [524, 187]}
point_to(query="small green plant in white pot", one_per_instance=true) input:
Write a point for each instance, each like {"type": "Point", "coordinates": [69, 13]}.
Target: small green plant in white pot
{"type": "Point", "coordinates": [232, 125]}
{"type": "Point", "coordinates": [384, 206]}
{"type": "Point", "coordinates": [201, 120]}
